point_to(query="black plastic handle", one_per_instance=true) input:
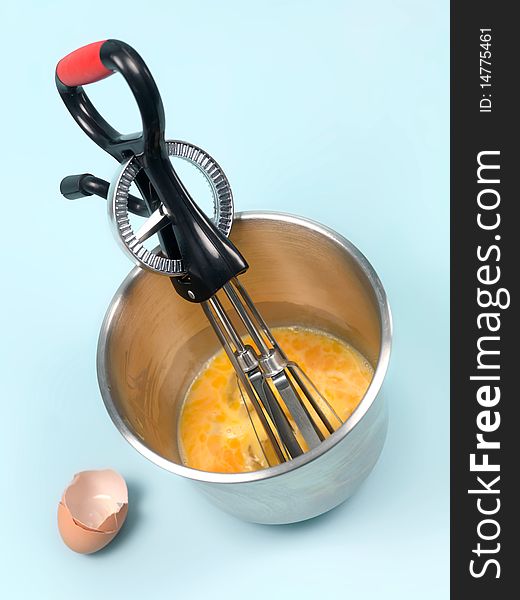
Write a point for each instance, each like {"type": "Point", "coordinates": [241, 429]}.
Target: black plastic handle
{"type": "Point", "coordinates": [210, 258]}
{"type": "Point", "coordinates": [95, 62]}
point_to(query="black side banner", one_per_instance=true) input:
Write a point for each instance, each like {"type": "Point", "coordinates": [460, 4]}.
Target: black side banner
{"type": "Point", "coordinates": [485, 253]}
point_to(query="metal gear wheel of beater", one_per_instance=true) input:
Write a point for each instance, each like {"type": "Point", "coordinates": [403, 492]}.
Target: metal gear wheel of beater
{"type": "Point", "coordinates": [131, 241]}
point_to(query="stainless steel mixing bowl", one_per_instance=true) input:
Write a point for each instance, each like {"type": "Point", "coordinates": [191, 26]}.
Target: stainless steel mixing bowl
{"type": "Point", "coordinates": [153, 343]}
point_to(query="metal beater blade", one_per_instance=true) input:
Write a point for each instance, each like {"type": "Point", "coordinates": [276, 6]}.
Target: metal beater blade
{"type": "Point", "coordinates": [294, 415]}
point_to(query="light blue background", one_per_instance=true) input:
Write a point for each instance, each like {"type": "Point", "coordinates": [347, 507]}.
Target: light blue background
{"type": "Point", "coordinates": [334, 110]}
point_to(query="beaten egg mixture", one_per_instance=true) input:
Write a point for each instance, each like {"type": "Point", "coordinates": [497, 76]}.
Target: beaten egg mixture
{"type": "Point", "coordinates": [215, 430]}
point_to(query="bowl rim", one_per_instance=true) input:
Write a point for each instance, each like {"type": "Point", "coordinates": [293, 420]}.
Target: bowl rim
{"type": "Point", "coordinates": [306, 458]}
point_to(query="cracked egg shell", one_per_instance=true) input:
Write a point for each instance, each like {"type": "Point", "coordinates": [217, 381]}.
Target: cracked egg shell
{"type": "Point", "coordinates": [92, 510]}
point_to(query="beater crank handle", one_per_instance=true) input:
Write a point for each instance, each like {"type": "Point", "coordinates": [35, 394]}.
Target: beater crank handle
{"type": "Point", "coordinates": [81, 186]}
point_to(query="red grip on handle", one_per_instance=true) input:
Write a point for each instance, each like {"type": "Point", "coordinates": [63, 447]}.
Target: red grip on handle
{"type": "Point", "coordinates": [82, 66]}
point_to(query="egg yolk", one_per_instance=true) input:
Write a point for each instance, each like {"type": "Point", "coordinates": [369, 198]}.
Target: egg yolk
{"type": "Point", "coordinates": [215, 426]}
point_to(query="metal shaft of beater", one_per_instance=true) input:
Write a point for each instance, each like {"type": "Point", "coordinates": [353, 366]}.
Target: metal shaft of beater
{"type": "Point", "coordinates": [252, 370]}
{"type": "Point", "coordinates": [230, 339]}
{"type": "Point", "coordinates": [244, 359]}
{"type": "Point", "coordinates": [293, 370]}
{"type": "Point", "coordinates": [273, 364]}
